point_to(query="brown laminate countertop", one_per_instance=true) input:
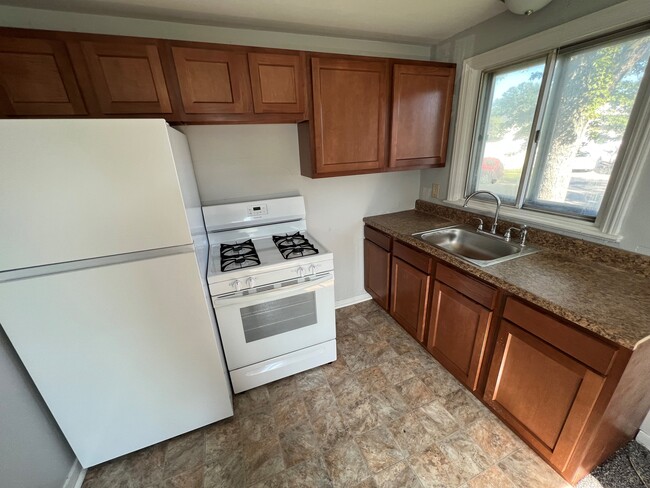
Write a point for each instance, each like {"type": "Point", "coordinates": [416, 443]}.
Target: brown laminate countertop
{"type": "Point", "coordinates": [609, 302]}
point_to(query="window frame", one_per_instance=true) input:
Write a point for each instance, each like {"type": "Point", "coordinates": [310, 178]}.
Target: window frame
{"type": "Point", "coordinates": [634, 152]}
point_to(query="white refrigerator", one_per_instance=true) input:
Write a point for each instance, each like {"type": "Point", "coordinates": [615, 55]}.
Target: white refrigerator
{"type": "Point", "coordinates": [102, 281]}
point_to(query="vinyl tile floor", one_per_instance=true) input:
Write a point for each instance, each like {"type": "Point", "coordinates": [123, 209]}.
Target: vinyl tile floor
{"type": "Point", "coordinates": [384, 414]}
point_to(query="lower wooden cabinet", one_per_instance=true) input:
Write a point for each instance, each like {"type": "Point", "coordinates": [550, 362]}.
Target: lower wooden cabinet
{"type": "Point", "coordinates": [410, 289]}
{"type": "Point", "coordinates": [458, 333]}
{"type": "Point", "coordinates": [377, 247]}
{"type": "Point", "coordinates": [461, 313]}
{"type": "Point", "coordinates": [544, 394]}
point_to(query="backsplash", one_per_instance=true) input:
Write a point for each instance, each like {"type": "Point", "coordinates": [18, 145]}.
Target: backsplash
{"type": "Point", "coordinates": [609, 256]}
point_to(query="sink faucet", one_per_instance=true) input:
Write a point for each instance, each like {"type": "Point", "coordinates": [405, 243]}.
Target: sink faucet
{"type": "Point", "coordinates": [493, 229]}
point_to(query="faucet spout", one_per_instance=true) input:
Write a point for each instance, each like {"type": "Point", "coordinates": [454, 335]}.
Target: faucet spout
{"type": "Point", "coordinates": [493, 229]}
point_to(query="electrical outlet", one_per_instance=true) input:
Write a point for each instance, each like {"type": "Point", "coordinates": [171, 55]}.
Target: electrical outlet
{"type": "Point", "coordinates": [435, 190]}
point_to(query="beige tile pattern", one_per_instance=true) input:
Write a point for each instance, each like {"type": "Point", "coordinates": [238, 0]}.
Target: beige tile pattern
{"type": "Point", "coordinates": [603, 289]}
{"type": "Point", "coordinates": [384, 415]}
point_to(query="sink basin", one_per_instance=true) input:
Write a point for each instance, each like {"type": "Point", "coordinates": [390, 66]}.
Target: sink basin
{"type": "Point", "coordinates": [480, 249]}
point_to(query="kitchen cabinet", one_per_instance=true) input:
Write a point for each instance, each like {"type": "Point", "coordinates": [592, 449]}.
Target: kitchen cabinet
{"type": "Point", "coordinates": [348, 123]}
{"type": "Point", "coordinates": [410, 283]}
{"type": "Point", "coordinates": [278, 82]}
{"type": "Point", "coordinates": [125, 74]}
{"type": "Point", "coordinates": [212, 81]}
{"type": "Point", "coordinates": [545, 379]}
{"type": "Point", "coordinates": [37, 79]}
{"type": "Point", "coordinates": [376, 255]}
{"type": "Point", "coordinates": [461, 313]}
{"type": "Point", "coordinates": [421, 112]}
{"type": "Point", "coordinates": [359, 126]}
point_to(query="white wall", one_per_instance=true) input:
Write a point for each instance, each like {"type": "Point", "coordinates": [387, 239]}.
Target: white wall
{"type": "Point", "coordinates": [241, 162]}
{"type": "Point", "coordinates": [33, 452]}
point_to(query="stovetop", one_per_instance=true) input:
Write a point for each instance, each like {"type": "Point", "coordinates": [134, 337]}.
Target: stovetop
{"type": "Point", "coordinates": [261, 242]}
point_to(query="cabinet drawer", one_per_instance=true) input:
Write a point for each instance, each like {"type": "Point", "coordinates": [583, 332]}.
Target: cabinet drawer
{"type": "Point", "coordinates": [471, 288]}
{"type": "Point", "coordinates": [382, 240]}
{"type": "Point", "coordinates": [586, 349]}
{"type": "Point", "coordinates": [419, 260]}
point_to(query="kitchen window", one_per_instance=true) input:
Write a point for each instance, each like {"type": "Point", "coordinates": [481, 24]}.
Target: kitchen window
{"type": "Point", "coordinates": [558, 125]}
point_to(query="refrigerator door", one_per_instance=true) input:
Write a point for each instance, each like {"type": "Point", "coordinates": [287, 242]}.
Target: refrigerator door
{"type": "Point", "coordinates": [125, 355]}
{"type": "Point", "coordinates": [81, 189]}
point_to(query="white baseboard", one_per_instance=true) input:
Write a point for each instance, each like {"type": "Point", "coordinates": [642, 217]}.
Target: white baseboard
{"type": "Point", "coordinates": [76, 476]}
{"type": "Point", "coordinates": [346, 302]}
{"type": "Point", "coordinates": [643, 439]}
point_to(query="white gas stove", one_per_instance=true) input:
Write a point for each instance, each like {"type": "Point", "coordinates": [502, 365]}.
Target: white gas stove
{"type": "Point", "coordinates": [272, 288]}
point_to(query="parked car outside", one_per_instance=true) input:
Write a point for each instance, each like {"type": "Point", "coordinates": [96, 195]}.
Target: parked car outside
{"type": "Point", "coordinates": [491, 170]}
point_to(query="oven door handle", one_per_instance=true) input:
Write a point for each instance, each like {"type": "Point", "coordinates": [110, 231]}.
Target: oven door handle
{"type": "Point", "coordinates": [276, 292]}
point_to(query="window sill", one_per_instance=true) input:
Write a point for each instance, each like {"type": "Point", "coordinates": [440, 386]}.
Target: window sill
{"type": "Point", "coordinates": [551, 223]}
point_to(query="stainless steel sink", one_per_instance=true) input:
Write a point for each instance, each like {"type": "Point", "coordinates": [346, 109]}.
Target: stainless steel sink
{"type": "Point", "coordinates": [483, 250]}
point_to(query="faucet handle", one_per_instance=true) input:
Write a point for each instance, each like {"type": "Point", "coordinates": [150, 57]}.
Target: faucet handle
{"type": "Point", "coordinates": [480, 222]}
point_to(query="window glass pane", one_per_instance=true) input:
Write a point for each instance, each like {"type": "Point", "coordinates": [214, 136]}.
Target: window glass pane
{"type": "Point", "coordinates": [592, 95]}
{"type": "Point", "coordinates": [504, 130]}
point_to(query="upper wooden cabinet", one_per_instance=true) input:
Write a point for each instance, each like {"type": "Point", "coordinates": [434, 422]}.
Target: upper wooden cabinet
{"type": "Point", "coordinates": [127, 76]}
{"type": "Point", "coordinates": [212, 81]}
{"type": "Point", "coordinates": [278, 82]}
{"type": "Point", "coordinates": [349, 131]}
{"type": "Point", "coordinates": [349, 115]}
{"type": "Point", "coordinates": [422, 97]}
{"type": "Point", "coordinates": [36, 78]}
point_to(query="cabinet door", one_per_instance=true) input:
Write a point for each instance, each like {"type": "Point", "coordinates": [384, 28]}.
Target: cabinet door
{"type": "Point", "coordinates": [127, 77]}
{"type": "Point", "coordinates": [376, 272]}
{"type": "Point", "coordinates": [422, 98]}
{"type": "Point", "coordinates": [542, 393]}
{"type": "Point", "coordinates": [350, 105]}
{"type": "Point", "coordinates": [213, 81]}
{"type": "Point", "coordinates": [409, 297]}
{"type": "Point", "coordinates": [278, 82]}
{"type": "Point", "coordinates": [458, 333]}
{"type": "Point", "coordinates": [36, 78]}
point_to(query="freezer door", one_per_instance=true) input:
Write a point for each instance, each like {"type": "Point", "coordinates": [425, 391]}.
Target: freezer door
{"type": "Point", "coordinates": [80, 189]}
{"type": "Point", "coordinates": [124, 355]}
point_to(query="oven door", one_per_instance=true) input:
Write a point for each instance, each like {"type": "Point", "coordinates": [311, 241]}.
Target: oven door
{"type": "Point", "coordinates": [266, 324]}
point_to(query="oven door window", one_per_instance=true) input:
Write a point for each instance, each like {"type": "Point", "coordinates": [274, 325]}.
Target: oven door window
{"type": "Point", "coordinates": [279, 316]}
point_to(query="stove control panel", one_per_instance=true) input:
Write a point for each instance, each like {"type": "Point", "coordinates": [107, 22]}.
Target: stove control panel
{"type": "Point", "coordinates": [257, 210]}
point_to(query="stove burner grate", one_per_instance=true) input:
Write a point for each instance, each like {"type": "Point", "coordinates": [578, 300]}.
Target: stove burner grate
{"type": "Point", "coordinates": [294, 245]}
{"type": "Point", "coordinates": [238, 255]}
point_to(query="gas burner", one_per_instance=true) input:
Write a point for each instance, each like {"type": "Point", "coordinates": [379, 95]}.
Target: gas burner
{"type": "Point", "coordinates": [238, 255]}
{"type": "Point", "coordinates": [294, 246]}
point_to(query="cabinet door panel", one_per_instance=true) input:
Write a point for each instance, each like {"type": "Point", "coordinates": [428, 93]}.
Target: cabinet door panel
{"type": "Point", "coordinates": [409, 297]}
{"type": "Point", "coordinates": [458, 333]}
{"type": "Point", "coordinates": [541, 392]}
{"type": "Point", "coordinates": [36, 78]}
{"type": "Point", "coordinates": [422, 98]}
{"type": "Point", "coordinates": [350, 105]}
{"type": "Point", "coordinates": [127, 77]}
{"type": "Point", "coordinates": [376, 272]}
{"type": "Point", "coordinates": [278, 82]}
{"type": "Point", "coordinates": [212, 81]}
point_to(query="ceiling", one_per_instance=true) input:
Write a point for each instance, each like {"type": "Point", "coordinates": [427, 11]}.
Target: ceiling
{"type": "Point", "coordinates": [415, 21]}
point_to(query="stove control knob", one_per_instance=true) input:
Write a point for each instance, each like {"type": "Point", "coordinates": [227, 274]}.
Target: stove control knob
{"type": "Point", "coordinates": [301, 271]}
{"type": "Point", "coordinates": [251, 282]}
{"type": "Point", "coordinates": [312, 269]}
{"type": "Point", "coordinates": [236, 285]}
